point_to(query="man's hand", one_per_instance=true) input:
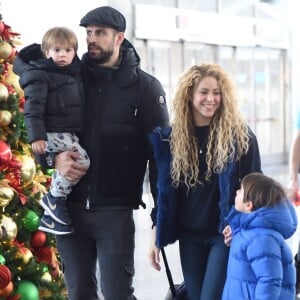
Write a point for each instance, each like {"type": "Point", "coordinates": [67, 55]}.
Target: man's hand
{"type": "Point", "coordinates": [66, 165]}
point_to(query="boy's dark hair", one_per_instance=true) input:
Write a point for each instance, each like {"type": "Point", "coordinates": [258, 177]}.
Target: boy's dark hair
{"type": "Point", "coordinates": [262, 190]}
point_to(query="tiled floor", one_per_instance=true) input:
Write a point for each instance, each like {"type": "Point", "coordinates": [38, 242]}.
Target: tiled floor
{"type": "Point", "coordinates": [151, 284]}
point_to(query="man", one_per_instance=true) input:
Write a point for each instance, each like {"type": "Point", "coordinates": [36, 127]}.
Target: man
{"type": "Point", "coordinates": [294, 166]}
{"type": "Point", "coordinates": [294, 163]}
{"type": "Point", "coordinates": [122, 106]}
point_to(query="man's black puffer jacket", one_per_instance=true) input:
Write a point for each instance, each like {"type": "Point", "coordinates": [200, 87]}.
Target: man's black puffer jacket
{"type": "Point", "coordinates": [54, 95]}
{"type": "Point", "coordinates": [123, 105]}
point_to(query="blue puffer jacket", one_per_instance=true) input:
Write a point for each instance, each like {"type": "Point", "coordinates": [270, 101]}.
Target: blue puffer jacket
{"type": "Point", "coordinates": [260, 262]}
{"type": "Point", "coordinates": [165, 211]}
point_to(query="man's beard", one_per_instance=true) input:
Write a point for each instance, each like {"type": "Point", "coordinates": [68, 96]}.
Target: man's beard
{"type": "Point", "coordinates": [102, 57]}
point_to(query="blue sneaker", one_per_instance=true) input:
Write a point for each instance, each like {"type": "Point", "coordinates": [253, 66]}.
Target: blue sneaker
{"type": "Point", "coordinates": [56, 208]}
{"type": "Point", "coordinates": [47, 224]}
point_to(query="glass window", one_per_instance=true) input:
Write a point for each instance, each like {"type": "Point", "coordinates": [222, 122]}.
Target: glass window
{"type": "Point", "coordinates": [269, 100]}
{"type": "Point", "coordinates": [165, 64]}
{"type": "Point", "coordinates": [227, 60]}
{"type": "Point", "coordinates": [169, 3]}
{"type": "Point", "coordinates": [260, 83]}
{"type": "Point", "coordinates": [208, 6]}
{"type": "Point", "coordinates": [244, 83]}
{"type": "Point", "coordinates": [140, 47]}
{"type": "Point", "coordinates": [237, 7]}
{"type": "Point", "coordinates": [196, 53]}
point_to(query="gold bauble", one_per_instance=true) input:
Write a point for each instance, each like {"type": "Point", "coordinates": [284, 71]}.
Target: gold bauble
{"type": "Point", "coordinates": [5, 50]}
{"type": "Point", "coordinates": [6, 195]}
{"type": "Point", "coordinates": [3, 92]}
{"type": "Point", "coordinates": [5, 117]}
{"type": "Point", "coordinates": [27, 169]}
{"type": "Point", "coordinates": [25, 254]}
{"type": "Point", "coordinates": [46, 277]}
{"type": "Point", "coordinates": [8, 228]}
{"type": "Point", "coordinates": [12, 79]}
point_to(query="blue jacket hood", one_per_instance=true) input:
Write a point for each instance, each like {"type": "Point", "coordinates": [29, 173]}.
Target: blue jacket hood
{"type": "Point", "coordinates": [281, 218]}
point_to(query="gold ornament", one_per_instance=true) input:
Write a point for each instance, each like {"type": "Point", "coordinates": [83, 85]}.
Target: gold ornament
{"type": "Point", "coordinates": [8, 228]}
{"type": "Point", "coordinates": [5, 117]}
{"type": "Point", "coordinates": [27, 169]}
{"type": "Point", "coordinates": [25, 254]}
{"type": "Point", "coordinates": [46, 277]}
{"type": "Point", "coordinates": [3, 92]}
{"type": "Point", "coordinates": [5, 50]}
{"type": "Point", "coordinates": [13, 79]}
{"type": "Point", "coordinates": [6, 195]}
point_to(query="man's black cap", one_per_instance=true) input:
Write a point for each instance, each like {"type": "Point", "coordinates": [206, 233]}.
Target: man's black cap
{"type": "Point", "coordinates": [106, 16]}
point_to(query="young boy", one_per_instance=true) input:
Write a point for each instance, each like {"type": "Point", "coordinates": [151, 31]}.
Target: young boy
{"type": "Point", "coordinates": [51, 79]}
{"type": "Point", "coordinates": [260, 263]}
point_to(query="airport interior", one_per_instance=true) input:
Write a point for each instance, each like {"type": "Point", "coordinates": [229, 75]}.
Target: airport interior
{"type": "Point", "coordinates": [257, 42]}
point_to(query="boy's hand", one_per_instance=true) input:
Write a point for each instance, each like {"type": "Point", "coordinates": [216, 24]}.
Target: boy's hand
{"type": "Point", "coordinates": [227, 235]}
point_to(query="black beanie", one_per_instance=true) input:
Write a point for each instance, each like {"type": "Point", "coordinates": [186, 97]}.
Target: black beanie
{"type": "Point", "coordinates": [105, 15]}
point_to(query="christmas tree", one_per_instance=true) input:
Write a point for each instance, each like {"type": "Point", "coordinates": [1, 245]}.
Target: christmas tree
{"type": "Point", "coordinates": [29, 265]}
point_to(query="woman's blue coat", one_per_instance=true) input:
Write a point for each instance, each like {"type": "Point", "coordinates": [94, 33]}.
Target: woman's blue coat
{"type": "Point", "coordinates": [261, 264]}
{"type": "Point", "coordinates": [165, 211]}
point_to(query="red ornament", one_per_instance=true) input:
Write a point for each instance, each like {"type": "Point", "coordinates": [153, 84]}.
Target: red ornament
{"type": "Point", "coordinates": [5, 153]}
{"type": "Point", "coordinates": [55, 270]}
{"type": "Point", "coordinates": [38, 239]}
{"type": "Point", "coordinates": [21, 103]}
{"type": "Point", "coordinates": [14, 180]}
{"type": "Point", "coordinates": [43, 254]}
{"type": "Point", "coordinates": [7, 34]}
{"type": "Point", "coordinates": [1, 27]}
{"type": "Point", "coordinates": [15, 297]}
{"type": "Point", "coordinates": [7, 290]}
{"type": "Point", "coordinates": [13, 54]}
{"type": "Point", "coordinates": [5, 276]}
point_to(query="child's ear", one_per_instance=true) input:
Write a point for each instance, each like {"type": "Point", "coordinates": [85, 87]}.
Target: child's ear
{"type": "Point", "coordinates": [249, 206]}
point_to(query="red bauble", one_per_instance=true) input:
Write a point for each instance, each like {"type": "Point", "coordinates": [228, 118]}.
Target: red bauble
{"type": "Point", "coordinates": [43, 254]}
{"type": "Point", "coordinates": [14, 297]}
{"type": "Point", "coordinates": [5, 153]}
{"type": "Point", "coordinates": [7, 290]}
{"type": "Point", "coordinates": [5, 276]}
{"type": "Point", "coordinates": [38, 239]}
{"type": "Point", "coordinates": [55, 270]}
{"type": "Point", "coordinates": [1, 27]}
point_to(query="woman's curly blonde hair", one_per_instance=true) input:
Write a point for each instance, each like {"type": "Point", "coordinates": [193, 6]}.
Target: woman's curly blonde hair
{"type": "Point", "coordinates": [228, 134]}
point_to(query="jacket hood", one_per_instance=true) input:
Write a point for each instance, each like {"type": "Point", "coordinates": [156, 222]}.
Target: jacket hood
{"type": "Point", "coordinates": [31, 58]}
{"type": "Point", "coordinates": [281, 218]}
{"type": "Point", "coordinates": [125, 72]}
{"type": "Point", "coordinates": [132, 54]}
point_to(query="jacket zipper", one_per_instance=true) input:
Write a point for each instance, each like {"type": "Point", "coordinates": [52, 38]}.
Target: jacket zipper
{"type": "Point", "coordinates": [87, 204]}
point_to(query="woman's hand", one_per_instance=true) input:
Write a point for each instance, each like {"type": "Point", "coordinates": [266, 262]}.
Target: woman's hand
{"type": "Point", "coordinates": [293, 189]}
{"type": "Point", "coordinates": [66, 165]}
{"type": "Point", "coordinates": [153, 254]}
{"type": "Point", "coordinates": [227, 235]}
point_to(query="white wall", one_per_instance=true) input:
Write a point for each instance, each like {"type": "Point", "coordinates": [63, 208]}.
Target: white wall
{"type": "Point", "coordinates": [32, 18]}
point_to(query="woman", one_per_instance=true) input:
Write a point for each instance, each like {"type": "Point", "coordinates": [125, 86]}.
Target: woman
{"type": "Point", "coordinates": [200, 160]}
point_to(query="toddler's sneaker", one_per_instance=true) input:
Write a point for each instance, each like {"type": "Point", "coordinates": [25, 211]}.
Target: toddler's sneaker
{"type": "Point", "coordinates": [48, 224]}
{"type": "Point", "coordinates": [56, 208]}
